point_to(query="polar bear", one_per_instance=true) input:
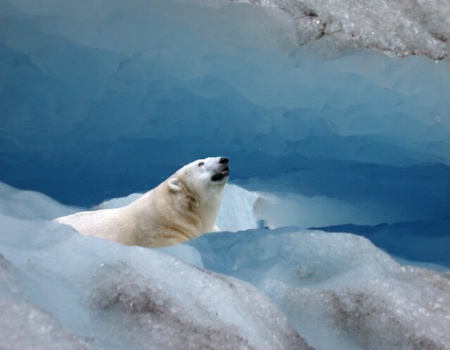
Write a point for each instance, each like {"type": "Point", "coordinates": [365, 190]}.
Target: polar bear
{"type": "Point", "coordinates": [181, 208]}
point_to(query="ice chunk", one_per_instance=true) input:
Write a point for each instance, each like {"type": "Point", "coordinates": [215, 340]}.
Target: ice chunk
{"type": "Point", "coordinates": [188, 308]}
{"type": "Point", "coordinates": [420, 242]}
{"type": "Point", "coordinates": [301, 211]}
{"type": "Point", "coordinates": [236, 211]}
{"type": "Point", "coordinates": [29, 204]}
{"type": "Point", "coordinates": [117, 202]}
{"type": "Point", "coordinates": [184, 253]}
{"type": "Point", "coordinates": [338, 289]}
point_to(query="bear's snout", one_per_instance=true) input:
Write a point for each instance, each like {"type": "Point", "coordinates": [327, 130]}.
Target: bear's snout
{"type": "Point", "coordinates": [222, 170]}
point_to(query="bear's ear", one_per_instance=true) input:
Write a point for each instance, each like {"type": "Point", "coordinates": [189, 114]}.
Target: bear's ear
{"type": "Point", "coordinates": [174, 185]}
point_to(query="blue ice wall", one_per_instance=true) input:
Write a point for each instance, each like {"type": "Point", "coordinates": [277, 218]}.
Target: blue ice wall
{"type": "Point", "coordinates": [101, 102]}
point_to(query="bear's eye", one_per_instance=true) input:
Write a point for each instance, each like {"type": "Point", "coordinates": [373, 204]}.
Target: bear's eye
{"type": "Point", "coordinates": [201, 164]}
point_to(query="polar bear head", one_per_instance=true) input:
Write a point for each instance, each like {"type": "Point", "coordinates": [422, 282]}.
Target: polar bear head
{"type": "Point", "coordinates": [201, 177]}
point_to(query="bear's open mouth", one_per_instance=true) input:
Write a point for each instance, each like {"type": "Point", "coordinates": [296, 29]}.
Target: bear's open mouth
{"type": "Point", "coordinates": [220, 176]}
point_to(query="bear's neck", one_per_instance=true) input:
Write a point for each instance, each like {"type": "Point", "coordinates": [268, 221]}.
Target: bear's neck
{"type": "Point", "coordinates": [209, 207]}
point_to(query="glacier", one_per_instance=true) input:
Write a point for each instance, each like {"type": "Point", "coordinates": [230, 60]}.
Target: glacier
{"type": "Point", "coordinates": [335, 117]}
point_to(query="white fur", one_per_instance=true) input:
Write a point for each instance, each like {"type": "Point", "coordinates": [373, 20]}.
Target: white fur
{"type": "Point", "coordinates": [181, 208]}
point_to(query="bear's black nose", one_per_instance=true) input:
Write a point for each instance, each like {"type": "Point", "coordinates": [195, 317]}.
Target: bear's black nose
{"type": "Point", "coordinates": [223, 160]}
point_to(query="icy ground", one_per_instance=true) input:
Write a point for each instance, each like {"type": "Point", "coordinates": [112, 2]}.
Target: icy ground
{"type": "Point", "coordinates": [326, 128]}
{"type": "Point", "coordinates": [61, 290]}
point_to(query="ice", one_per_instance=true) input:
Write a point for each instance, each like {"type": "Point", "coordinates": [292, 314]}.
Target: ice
{"type": "Point", "coordinates": [76, 100]}
{"type": "Point", "coordinates": [400, 27]}
{"type": "Point", "coordinates": [27, 205]}
{"type": "Point", "coordinates": [81, 291]}
{"type": "Point", "coordinates": [335, 117]}
{"type": "Point", "coordinates": [24, 325]}
{"type": "Point", "coordinates": [59, 289]}
{"type": "Point", "coordinates": [337, 289]}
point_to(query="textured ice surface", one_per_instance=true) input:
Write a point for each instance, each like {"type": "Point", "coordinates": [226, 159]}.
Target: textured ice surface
{"type": "Point", "coordinates": [63, 290]}
{"type": "Point", "coordinates": [337, 289]}
{"type": "Point", "coordinates": [26, 205]}
{"type": "Point", "coordinates": [103, 101]}
{"type": "Point", "coordinates": [399, 27]}
{"type": "Point", "coordinates": [59, 289]}
{"type": "Point", "coordinates": [24, 325]}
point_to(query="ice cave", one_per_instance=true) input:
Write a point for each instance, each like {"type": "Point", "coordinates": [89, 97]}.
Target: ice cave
{"type": "Point", "coordinates": [335, 222]}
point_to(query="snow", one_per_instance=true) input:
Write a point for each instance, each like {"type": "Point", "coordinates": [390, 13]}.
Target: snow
{"type": "Point", "coordinates": [334, 115]}
{"type": "Point", "coordinates": [258, 288]}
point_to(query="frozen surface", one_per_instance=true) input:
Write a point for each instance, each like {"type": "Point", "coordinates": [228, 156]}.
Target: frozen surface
{"type": "Point", "coordinates": [398, 27]}
{"type": "Point", "coordinates": [326, 127]}
{"type": "Point", "coordinates": [63, 290]}
{"type": "Point", "coordinates": [24, 325]}
{"type": "Point", "coordinates": [337, 298]}
{"type": "Point", "coordinates": [59, 289]}
{"type": "Point", "coordinates": [26, 205]}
